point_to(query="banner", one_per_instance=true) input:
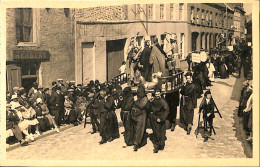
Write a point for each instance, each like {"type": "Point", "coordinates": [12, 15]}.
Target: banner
{"type": "Point", "coordinates": [195, 57]}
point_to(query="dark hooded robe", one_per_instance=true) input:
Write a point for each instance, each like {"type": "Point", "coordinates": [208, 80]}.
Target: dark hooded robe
{"type": "Point", "coordinates": [173, 102]}
{"type": "Point", "coordinates": [139, 115]}
{"type": "Point", "coordinates": [108, 120]}
{"type": "Point", "coordinates": [126, 106]}
{"type": "Point", "coordinates": [222, 69]}
{"type": "Point", "coordinates": [159, 109]}
{"type": "Point", "coordinates": [188, 103]}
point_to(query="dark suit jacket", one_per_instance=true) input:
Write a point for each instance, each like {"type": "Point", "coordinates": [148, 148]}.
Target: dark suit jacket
{"type": "Point", "coordinates": [56, 101]}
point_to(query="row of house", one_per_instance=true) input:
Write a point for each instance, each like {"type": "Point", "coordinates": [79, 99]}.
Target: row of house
{"type": "Point", "coordinates": [83, 44]}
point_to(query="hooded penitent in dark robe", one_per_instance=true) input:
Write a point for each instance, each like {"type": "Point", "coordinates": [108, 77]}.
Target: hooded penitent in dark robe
{"type": "Point", "coordinates": [205, 73]}
{"type": "Point", "coordinates": [173, 102]}
{"type": "Point", "coordinates": [108, 127]}
{"type": "Point", "coordinates": [138, 115]}
{"type": "Point", "coordinates": [146, 71]}
{"type": "Point", "coordinates": [197, 78]}
{"type": "Point", "coordinates": [157, 59]}
{"type": "Point", "coordinates": [159, 109]}
{"type": "Point", "coordinates": [188, 103]}
{"type": "Point", "coordinates": [222, 69]}
{"type": "Point", "coordinates": [126, 105]}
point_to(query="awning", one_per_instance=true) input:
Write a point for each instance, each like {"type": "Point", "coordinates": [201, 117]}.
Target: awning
{"type": "Point", "coordinates": [31, 55]}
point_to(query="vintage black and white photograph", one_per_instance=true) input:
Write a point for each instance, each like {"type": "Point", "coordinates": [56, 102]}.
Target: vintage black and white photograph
{"type": "Point", "coordinates": [148, 81]}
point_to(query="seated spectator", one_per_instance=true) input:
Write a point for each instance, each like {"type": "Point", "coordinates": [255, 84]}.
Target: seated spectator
{"type": "Point", "coordinates": [29, 115]}
{"type": "Point", "coordinates": [8, 97]}
{"type": "Point", "coordinates": [41, 127]}
{"type": "Point", "coordinates": [47, 116]}
{"type": "Point", "coordinates": [68, 105]}
{"type": "Point", "coordinates": [12, 128]}
{"type": "Point", "coordinates": [23, 124]}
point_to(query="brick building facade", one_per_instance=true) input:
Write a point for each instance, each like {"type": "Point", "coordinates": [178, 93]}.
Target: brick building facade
{"type": "Point", "coordinates": [91, 43]}
{"type": "Point", "coordinates": [47, 54]}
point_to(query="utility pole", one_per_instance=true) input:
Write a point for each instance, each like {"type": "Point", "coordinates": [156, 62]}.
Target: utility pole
{"type": "Point", "coordinates": [141, 10]}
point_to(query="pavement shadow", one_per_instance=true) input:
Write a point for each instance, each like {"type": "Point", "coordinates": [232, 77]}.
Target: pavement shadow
{"type": "Point", "coordinates": [223, 83]}
{"type": "Point", "coordinates": [237, 87]}
{"type": "Point", "coordinates": [241, 134]}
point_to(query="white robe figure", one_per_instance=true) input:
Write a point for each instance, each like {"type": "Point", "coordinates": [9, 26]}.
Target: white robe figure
{"type": "Point", "coordinates": [211, 70]}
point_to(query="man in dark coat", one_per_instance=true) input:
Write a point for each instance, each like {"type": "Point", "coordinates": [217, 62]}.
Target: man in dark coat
{"type": "Point", "coordinates": [57, 105]}
{"type": "Point", "coordinates": [188, 103]}
{"type": "Point", "coordinates": [207, 106]}
{"type": "Point", "coordinates": [189, 61]}
{"type": "Point", "coordinates": [173, 102]}
{"type": "Point", "coordinates": [159, 112]}
{"type": "Point", "coordinates": [139, 115]}
{"type": "Point", "coordinates": [146, 70]}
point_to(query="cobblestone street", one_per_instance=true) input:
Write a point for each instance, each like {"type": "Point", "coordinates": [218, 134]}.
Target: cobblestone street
{"type": "Point", "coordinates": [77, 143]}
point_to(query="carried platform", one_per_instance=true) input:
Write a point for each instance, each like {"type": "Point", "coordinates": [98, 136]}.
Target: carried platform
{"type": "Point", "coordinates": [169, 84]}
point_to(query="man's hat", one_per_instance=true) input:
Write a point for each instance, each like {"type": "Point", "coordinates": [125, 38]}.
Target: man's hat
{"type": "Point", "coordinates": [46, 89]}
{"type": "Point", "coordinates": [8, 105]}
{"type": "Point", "coordinates": [21, 88]}
{"type": "Point", "coordinates": [207, 92]}
{"type": "Point", "coordinates": [53, 83]}
{"type": "Point", "coordinates": [157, 88]}
{"type": "Point", "coordinates": [58, 88]}
{"type": "Point", "coordinates": [91, 95]}
{"type": "Point", "coordinates": [59, 79]}
{"type": "Point", "coordinates": [188, 74]}
{"type": "Point", "coordinates": [16, 88]}
{"type": "Point", "coordinates": [72, 81]}
{"type": "Point", "coordinates": [38, 100]}
{"type": "Point", "coordinates": [40, 88]}
{"type": "Point", "coordinates": [14, 97]}
{"type": "Point", "coordinates": [79, 85]}
{"type": "Point", "coordinates": [147, 38]}
{"type": "Point", "coordinates": [173, 37]}
{"type": "Point", "coordinates": [70, 90]}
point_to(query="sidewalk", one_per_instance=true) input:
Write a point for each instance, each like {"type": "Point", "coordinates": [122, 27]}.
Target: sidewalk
{"type": "Point", "coordinates": [45, 134]}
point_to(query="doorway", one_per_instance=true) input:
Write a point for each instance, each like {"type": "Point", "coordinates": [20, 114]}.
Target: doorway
{"type": "Point", "coordinates": [88, 60]}
{"type": "Point", "coordinates": [115, 57]}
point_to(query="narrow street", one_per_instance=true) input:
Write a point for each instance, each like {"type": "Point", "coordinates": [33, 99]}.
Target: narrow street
{"type": "Point", "coordinates": [78, 144]}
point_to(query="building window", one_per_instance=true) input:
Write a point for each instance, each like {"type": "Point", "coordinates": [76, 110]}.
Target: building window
{"type": "Point", "coordinates": [203, 17]}
{"type": "Point", "coordinates": [24, 24]}
{"type": "Point", "coordinates": [182, 46]}
{"type": "Point", "coordinates": [210, 19]}
{"type": "Point", "coordinates": [181, 11]}
{"type": "Point", "coordinates": [162, 12]}
{"type": "Point", "coordinates": [216, 19]}
{"type": "Point", "coordinates": [137, 11]}
{"type": "Point", "coordinates": [150, 11]}
{"type": "Point", "coordinates": [172, 11]}
{"type": "Point", "coordinates": [198, 16]}
{"type": "Point", "coordinates": [220, 20]}
{"type": "Point", "coordinates": [207, 18]}
{"type": "Point", "coordinates": [192, 16]}
{"type": "Point", "coordinates": [27, 24]}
